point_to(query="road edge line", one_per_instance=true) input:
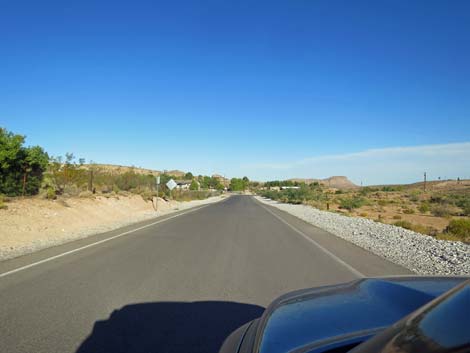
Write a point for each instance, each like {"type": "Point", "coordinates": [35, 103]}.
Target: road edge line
{"type": "Point", "coordinates": [322, 248]}
{"type": "Point", "coordinates": [4, 274]}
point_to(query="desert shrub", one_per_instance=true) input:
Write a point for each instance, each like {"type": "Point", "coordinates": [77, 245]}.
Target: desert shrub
{"type": "Point", "coordinates": [407, 210]}
{"type": "Point", "coordinates": [3, 206]}
{"type": "Point", "coordinates": [67, 176]}
{"type": "Point", "coordinates": [441, 210]}
{"type": "Point", "coordinates": [424, 207]}
{"type": "Point", "coordinates": [418, 228]}
{"type": "Point", "coordinates": [339, 192]}
{"type": "Point", "coordinates": [403, 224]}
{"type": "Point", "coordinates": [363, 214]}
{"type": "Point", "coordinates": [414, 195]}
{"type": "Point", "coordinates": [447, 236]}
{"type": "Point", "coordinates": [438, 199]}
{"type": "Point", "coordinates": [296, 196]}
{"type": "Point", "coordinates": [367, 190]}
{"type": "Point", "coordinates": [51, 194]}
{"type": "Point", "coordinates": [459, 228]}
{"type": "Point", "coordinates": [351, 203]}
{"type": "Point", "coordinates": [397, 216]}
{"type": "Point", "coordinates": [463, 202]}
{"type": "Point", "coordinates": [390, 188]}
{"type": "Point", "coordinates": [85, 194]}
{"type": "Point", "coordinates": [466, 209]}
{"type": "Point", "coordinates": [382, 203]}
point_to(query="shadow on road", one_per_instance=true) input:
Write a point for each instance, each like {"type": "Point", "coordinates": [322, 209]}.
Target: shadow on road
{"type": "Point", "coordinates": [169, 327]}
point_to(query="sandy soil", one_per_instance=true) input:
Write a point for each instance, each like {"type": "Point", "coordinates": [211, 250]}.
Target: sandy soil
{"type": "Point", "coordinates": [32, 224]}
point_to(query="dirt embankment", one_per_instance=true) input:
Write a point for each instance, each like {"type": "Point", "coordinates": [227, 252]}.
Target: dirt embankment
{"type": "Point", "coordinates": [31, 224]}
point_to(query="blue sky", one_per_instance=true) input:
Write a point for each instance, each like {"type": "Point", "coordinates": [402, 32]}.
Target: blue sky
{"type": "Point", "coordinates": [267, 89]}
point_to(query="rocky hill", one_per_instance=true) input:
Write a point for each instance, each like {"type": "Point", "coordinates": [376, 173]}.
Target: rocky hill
{"type": "Point", "coordinates": [337, 182]}
{"type": "Point", "coordinates": [120, 169]}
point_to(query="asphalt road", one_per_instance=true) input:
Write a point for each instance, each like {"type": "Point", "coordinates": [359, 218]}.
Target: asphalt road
{"type": "Point", "coordinates": [180, 285]}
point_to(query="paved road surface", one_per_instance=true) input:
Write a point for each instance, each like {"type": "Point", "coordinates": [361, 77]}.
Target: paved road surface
{"type": "Point", "coordinates": [181, 285]}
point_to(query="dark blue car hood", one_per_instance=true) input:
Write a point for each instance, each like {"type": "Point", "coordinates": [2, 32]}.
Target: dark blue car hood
{"type": "Point", "coordinates": [318, 319]}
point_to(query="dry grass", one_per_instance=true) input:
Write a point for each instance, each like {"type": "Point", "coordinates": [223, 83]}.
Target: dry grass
{"type": "Point", "coordinates": [409, 206]}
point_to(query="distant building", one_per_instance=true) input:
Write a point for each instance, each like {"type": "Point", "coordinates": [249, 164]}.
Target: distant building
{"type": "Point", "coordinates": [290, 187]}
{"type": "Point", "coordinates": [184, 184]}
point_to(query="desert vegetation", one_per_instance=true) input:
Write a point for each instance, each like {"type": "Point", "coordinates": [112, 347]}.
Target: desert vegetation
{"type": "Point", "coordinates": [441, 211]}
{"type": "Point", "coordinates": [30, 171]}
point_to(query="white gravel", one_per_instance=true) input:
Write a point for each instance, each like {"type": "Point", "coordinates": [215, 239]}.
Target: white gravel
{"type": "Point", "coordinates": [420, 253]}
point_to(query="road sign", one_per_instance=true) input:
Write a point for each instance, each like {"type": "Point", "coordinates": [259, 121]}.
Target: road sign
{"type": "Point", "coordinates": [171, 184]}
{"type": "Point", "coordinates": [158, 180]}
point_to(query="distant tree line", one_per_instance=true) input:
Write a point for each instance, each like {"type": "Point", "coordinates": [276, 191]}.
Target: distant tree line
{"type": "Point", "coordinates": [30, 170]}
{"type": "Point", "coordinates": [239, 184]}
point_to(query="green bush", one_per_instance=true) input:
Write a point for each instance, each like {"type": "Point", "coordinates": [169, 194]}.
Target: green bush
{"type": "Point", "coordinates": [391, 188]}
{"type": "Point", "coordinates": [463, 202]}
{"type": "Point", "coordinates": [403, 224]}
{"type": "Point", "coordinates": [414, 195]}
{"type": "Point", "coordinates": [459, 228]}
{"type": "Point", "coordinates": [418, 228]}
{"type": "Point", "coordinates": [407, 210]}
{"type": "Point", "coordinates": [441, 210]}
{"type": "Point", "coordinates": [21, 168]}
{"type": "Point", "coordinates": [51, 194]}
{"type": "Point", "coordinates": [466, 209]}
{"type": "Point", "coordinates": [351, 203]}
{"type": "Point", "coordinates": [382, 203]}
{"type": "Point", "coordinates": [2, 203]}
{"type": "Point", "coordinates": [424, 207]}
{"type": "Point", "coordinates": [194, 185]}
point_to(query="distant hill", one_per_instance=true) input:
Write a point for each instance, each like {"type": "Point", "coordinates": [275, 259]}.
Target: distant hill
{"type": "Point", "coordinates": [120, 169]}
{"type": "Point", "coordinates": [433, 185]}
{"type": "Point", "coordinates": [337, 182]}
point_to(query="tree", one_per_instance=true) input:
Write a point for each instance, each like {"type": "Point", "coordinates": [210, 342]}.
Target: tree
{"type": "Point", "coordinates": [205, 182]}
{"type": "Point", "coordinates": [194, 185]}
{"type": "Point", "coordinates": [188, 176]}
{"type": "Point", "coordinates": [21, 168]}
{"type": "Point", "coordinates": [237, 184]}
{"type": "Point", "coordinates": [36, 163]}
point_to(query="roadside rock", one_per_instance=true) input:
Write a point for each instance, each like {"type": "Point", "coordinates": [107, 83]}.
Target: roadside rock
{"type": "Point", "coordinates": [420, 253]}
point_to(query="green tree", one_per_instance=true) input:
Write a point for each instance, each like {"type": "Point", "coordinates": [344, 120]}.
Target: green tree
{"type": "Point", "coordinates": [205, 182]}
{"type": "Point", "coordinates": [237, 184]}
{"type": "Point", "coordinates": [194, 185]}
{"type": "Point", "coordinates": [189, 176]}
{"type": "Point", "coordinates": [21, 168]}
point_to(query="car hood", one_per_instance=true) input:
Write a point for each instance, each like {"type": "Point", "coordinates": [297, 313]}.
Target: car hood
{"type": "Point", "coordinates": [323, 318]}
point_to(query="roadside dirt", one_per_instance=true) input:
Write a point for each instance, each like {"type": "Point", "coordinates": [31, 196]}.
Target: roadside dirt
{"type": "Point", "coordinates": [32, 224]}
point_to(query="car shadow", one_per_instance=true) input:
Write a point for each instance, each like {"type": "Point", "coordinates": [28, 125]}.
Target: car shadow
{"type": "Point", "coordinates": [165, 327]}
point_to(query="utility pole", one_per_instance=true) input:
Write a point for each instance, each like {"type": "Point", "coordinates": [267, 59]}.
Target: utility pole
{"type": "Point", "coordinates": [424, 185]}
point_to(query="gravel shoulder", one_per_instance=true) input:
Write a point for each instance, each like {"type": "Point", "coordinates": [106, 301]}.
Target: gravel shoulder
{"type": "Point", "coordinates": [33, 224]}
{"type": "Point", "coordinates": [417, 252]}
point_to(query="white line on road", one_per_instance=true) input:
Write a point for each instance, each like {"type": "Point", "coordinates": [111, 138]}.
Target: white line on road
{"type": "Point", "coordinates": [326, 251]}
{"type": "Point", "coordinates": [95, 243]}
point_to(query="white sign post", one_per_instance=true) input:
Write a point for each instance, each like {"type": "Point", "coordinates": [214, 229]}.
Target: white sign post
{"type": "Point", "coordinates": [171, 184]}
{"type": "Point", "coordinates": [156, 200]}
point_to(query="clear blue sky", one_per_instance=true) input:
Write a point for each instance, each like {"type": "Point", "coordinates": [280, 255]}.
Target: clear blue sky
{"type": "Point", "coordinates": [267, 89]}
